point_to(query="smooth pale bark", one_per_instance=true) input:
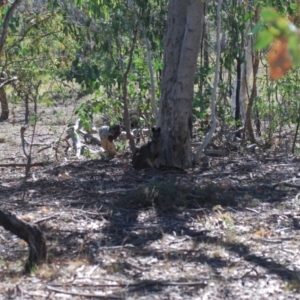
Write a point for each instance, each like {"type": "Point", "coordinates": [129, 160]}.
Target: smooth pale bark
{"type": "Point", "coordinates": [182, 41]}
{"type": "Point", "coordinates": [252, 98]}
{"type": "Point", "coordinates": [255, 65]}
{"type": "Point", "coordinates": [241, 89]}
{"type": "Point", "coordinates": [245, 73]}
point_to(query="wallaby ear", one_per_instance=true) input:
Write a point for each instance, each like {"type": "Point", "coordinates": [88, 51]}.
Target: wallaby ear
{"type": "Point", "coordinates": [155, 129]}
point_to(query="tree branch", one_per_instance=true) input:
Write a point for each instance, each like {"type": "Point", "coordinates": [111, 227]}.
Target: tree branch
{"type": "Point", "coordinates": [8, 81]}
{"type": "Point", "coordinates": [214, 93]}
{"type": "Point", "coordinates": [153, 103]}
{"type": "Point", "coordinates": [125, 77]}
{"type": "Point", "coordinates": [6, 23]}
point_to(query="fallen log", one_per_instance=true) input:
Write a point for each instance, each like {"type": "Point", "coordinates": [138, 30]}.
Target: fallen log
{"type": "Point", "coordinates": [31, 234]}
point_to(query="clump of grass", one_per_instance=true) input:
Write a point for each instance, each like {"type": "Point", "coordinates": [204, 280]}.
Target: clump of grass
{"type": "Point", "coordinates": [211, 195]}
{"type": "Point", "coordinates": [120, 146]}
{"type": "Point", "coordinates": [293, 285]}
{"type": "Point", "coordinates": [158, 194]}
{"type": "Point", "coordinates": [170, 196]}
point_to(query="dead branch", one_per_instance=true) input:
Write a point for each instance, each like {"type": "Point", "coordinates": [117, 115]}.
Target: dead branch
{"type": "Point", "coordinates": [92, 295]}
{"type": "Point", "coordinates": [46, 219]}
{"type": "Point", "coordinates": [31, 234]}
{"type": "Point", "coordinates": [76, 140]}
{"type": "Point", "coordinates": [47, 147]}
{"type": "Point", "coordinates": [28, 156]}
{"type": "Point", "coordinates": [37, 164]}
{"type": "Point", "coordinates": [124, 89]}
{"type": "Point", "coordinates": [8, 81]}
{"type": "Point", "coordinates": [213, 152]}
{"type": "Point", "coordinates": [34, 144]}
{"type": "Point", "coordinates": [89, 137]}
{"type": "Point", "coordinates": [130, 287]}
{"type": "Point", "coordinates": [75, 133]}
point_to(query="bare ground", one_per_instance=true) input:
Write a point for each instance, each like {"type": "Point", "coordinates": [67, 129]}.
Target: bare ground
{"type": "Point", "coordinates": [224, 231]}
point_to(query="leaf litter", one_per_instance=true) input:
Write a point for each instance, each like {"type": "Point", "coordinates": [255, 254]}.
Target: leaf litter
{"type": "Point", "coordinates": [229, 231]}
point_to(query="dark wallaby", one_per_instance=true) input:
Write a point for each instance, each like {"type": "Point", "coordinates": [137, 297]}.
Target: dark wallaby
{"type": "Point", "coordinates": [145, 156]}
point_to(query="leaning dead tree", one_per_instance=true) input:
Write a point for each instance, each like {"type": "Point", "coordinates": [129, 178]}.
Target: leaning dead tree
{"type": "Point", "coordinates": [3, 37]}
{"type": "Point", "coordinates": [31, 234]}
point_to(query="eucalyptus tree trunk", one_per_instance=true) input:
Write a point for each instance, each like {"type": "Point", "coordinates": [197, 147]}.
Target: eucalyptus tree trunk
{"type": "Point", "coordinates": [241, 86]}
{"type": "Point", "coordinates": [240, 93]}
{"type": "Point", "coordinates": [4, 105]}
{"type": "Point", "coordinates": [182, 40]}
{"type": "Point", "coordinates": [246, 70]}
{"type": "Point", "coordinates": [255, 64]}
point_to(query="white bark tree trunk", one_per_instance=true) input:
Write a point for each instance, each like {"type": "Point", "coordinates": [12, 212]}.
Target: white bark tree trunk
{"type": "Point", "coordinates": [182, 41]}
{"type": "Point", "coordinates": [246, 70]}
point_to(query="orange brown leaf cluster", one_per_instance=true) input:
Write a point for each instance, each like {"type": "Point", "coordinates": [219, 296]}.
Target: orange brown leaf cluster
{"type": "Point", "coordinates": [279, 58]}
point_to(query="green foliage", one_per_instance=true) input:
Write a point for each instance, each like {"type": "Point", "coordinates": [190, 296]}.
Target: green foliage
{"type": "Point", "coordinates": [235, 19]}
{"type": "Point", "coordinates": [273, 25]}
{"type": "Point", "coordinates": [108, 27]}
{"type": "Point", "coordinates": [278, 26]}
{"type": "Point", "coordinates": [88, 109]}
{"type": "Point", "coordinates": [120, 147]}
{"type": "Point", "coordinates": [85, 74]}
{"type": "Point", "coordinates": [89, 47]}
{"type": "Point", "coordinates": [278, 103]}
{"type": "Point", "coordinates": [34, 50]}
{"type": "Point", "coordinates": [86, 44]}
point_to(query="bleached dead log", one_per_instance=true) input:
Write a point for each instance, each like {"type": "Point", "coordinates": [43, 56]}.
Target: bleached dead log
{"type": "Point", "coordinates": [216, 153]}
{"type": "Point", "coordinates": [75, 139]}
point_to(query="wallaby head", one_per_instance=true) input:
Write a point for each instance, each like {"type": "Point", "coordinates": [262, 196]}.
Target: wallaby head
{"type": "Point", "coordinates": [114, 128]}
{"type": "Point", "coordinates": [155, 134]}
{"type": "Point", "coordinates": [114, 132]}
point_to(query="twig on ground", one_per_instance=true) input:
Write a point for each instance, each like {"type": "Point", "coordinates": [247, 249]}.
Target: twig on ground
{"type": "Point", "coordinates": [253, 210]}
{"type": "Point", "coordinates": [34, 144]}
{"type": "Point", "coordinates": [134, 286]}
{"type": "Point", "coordinates": [45, 219]}
{"type": "Point", "coordinates": [37, 164]}
{"type": "Point", "coordinates": [92, 295]}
